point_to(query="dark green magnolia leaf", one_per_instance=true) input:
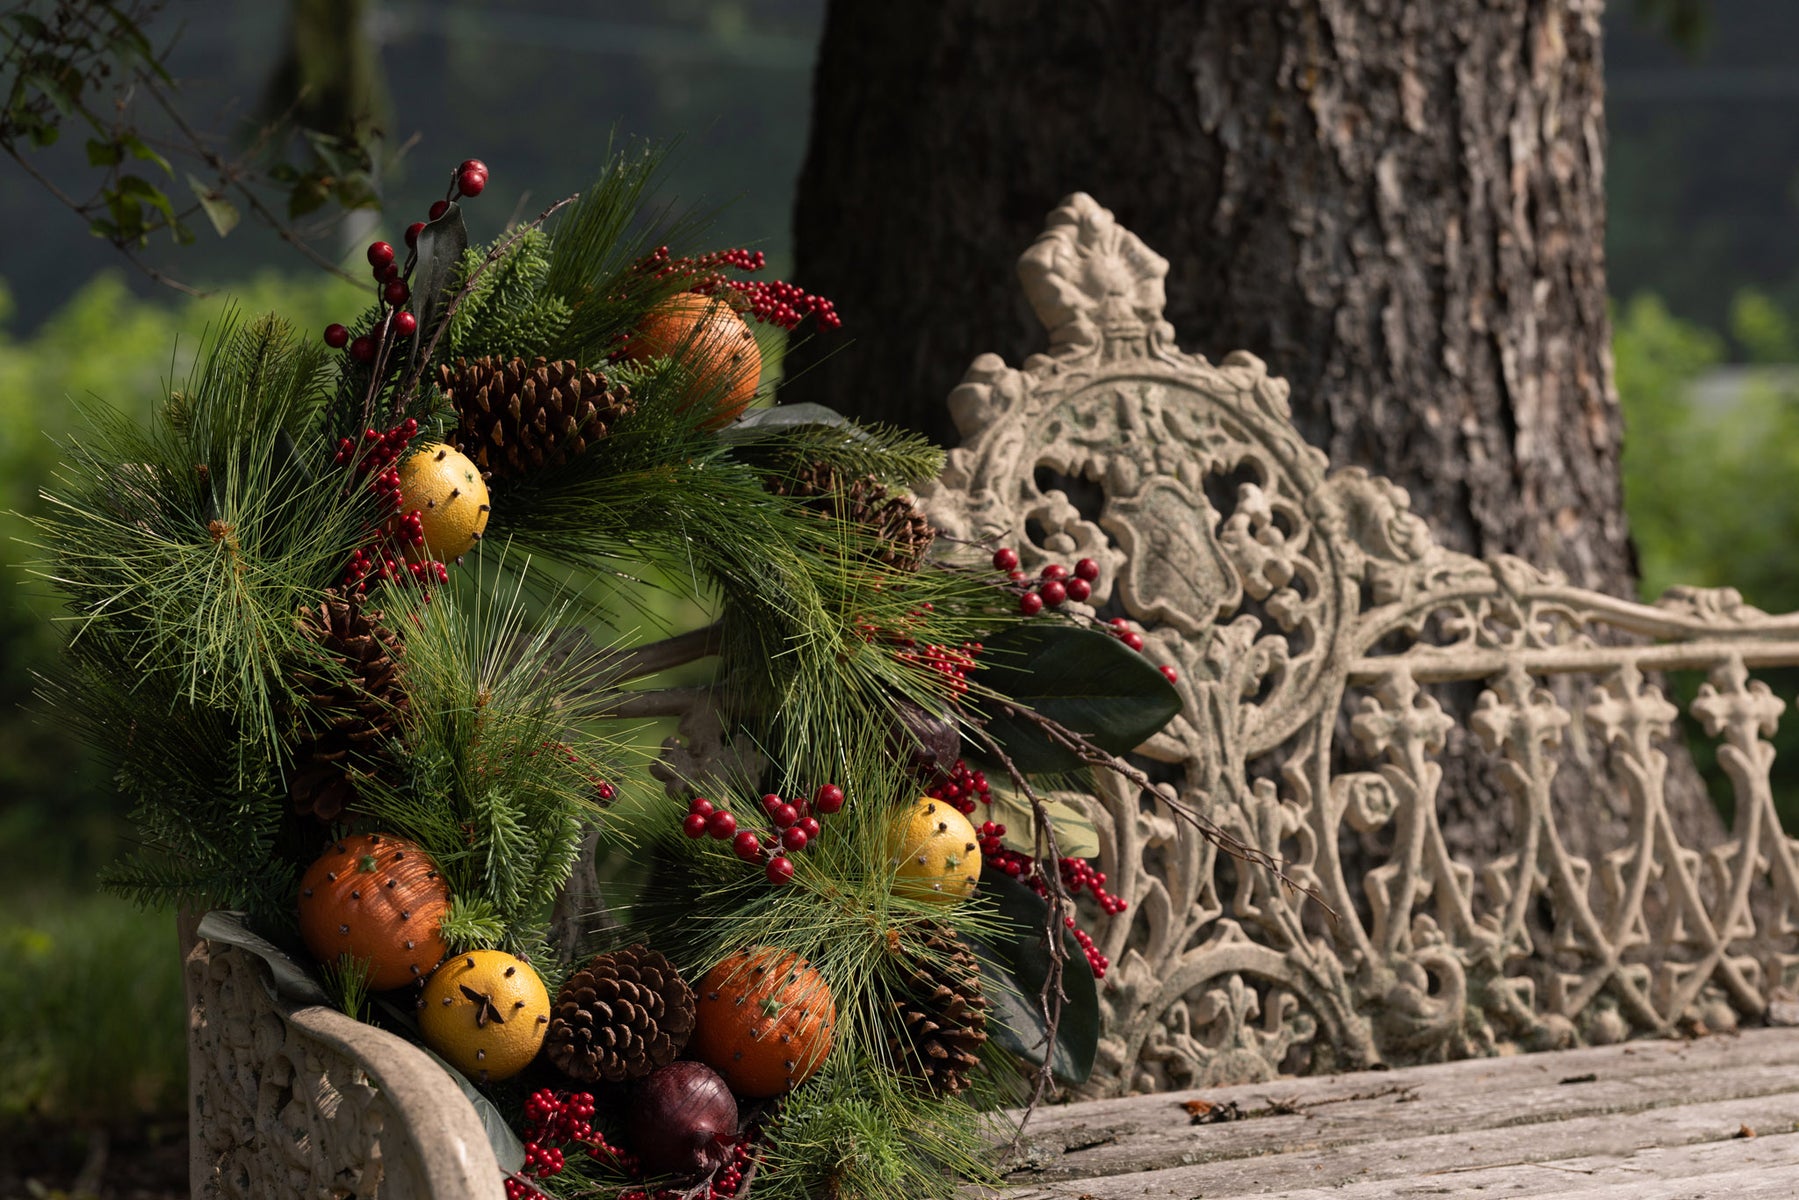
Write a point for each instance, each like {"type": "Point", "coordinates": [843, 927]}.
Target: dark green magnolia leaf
{"type": "Point", "coordinates": [220, 211]}
{"type": "Point", "coordinates": [440, 248]}
{"type": "Point", "coordinates": [1084, 680]}
{"type": "Point", "coordinates": [1014, 964]}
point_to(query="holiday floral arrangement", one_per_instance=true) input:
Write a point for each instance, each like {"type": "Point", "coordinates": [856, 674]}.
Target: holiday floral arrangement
{"type": "Point", "coordinates": [359, 622]}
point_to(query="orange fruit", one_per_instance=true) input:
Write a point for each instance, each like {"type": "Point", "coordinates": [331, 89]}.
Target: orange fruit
{"type": "Point", "coordinates": [763, 1021]}
{"type": "Point", "coordinates": [706, 335]}
{"type": "Point", "coordinates": [377, 898]}
{"type": "Point", "coordinates": [935, 853]}
{"type": "Point", "coordinates": [447, 491]}
{"type": "Point", "coordinates": [486, 1013]}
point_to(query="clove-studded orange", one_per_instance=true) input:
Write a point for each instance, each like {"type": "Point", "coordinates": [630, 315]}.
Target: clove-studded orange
{"type": "Point", "coordinates": [445, 488]}
{"type": "Point", "coordinates": [715, 345]}
{"type": "Point", "coordinates": [764, 1021]}
{"type": "Point", "coordinates": [486, 1012]}
{"type": "Point", "coordinates": [935, 852]}
{"type": "Point", "coordinates": [377, 898]}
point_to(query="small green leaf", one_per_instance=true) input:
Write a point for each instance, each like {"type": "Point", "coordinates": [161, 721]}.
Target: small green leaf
{"type": "Point", "coordinates": [140, 150]}
{"type": "Point", "coordinates": [1086, 681]}
{"type": "Point", "coordinates": [440, 247]}
{"type": "Point", "coordinates": [138, 188]}
{"type": "Point", "coordinates": [1014, 964]}
{"type": "Point", "coordinates": [1075, 835]}
{"type": "Point", "coordinates": [29, 25]}
{"type": "Point", "coordinates": [219, 210]}
{"type": "Point", "coordinates": [356, 190]}
{"type": "Point", "coordinates": [103, 154]}
{"type": "Point", "coordinates": [103, 229]}
{"type": "Point", "coordinates": [308, 195]}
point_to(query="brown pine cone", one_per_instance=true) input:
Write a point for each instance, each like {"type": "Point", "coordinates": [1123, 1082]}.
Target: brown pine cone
{"type": "Point", "coordinates": [344, 709]}
{"type": "Point", "coordinates": [936, 1014]}
{"type": "Point", "coordinates": [515, 418]}
{"type": "Point", "coordinates": [620, 1017]}
{"type": "Point", "coordinates": [901, 530]}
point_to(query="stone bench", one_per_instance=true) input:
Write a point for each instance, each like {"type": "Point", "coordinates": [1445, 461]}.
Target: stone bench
{"type": "Point", "coordinates": [1314, 624]}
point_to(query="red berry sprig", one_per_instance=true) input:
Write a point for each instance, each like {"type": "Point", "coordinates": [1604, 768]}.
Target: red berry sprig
{"type": "Point", "coordinates": [554, 1123]}
{"type": "Point", "coordinates": [794, 828]}
{"type": "Point", "coordinates": [392, 292]}
{"type": "Point", "coordinates": [373, 457]}
{"type": "Point", "coordinates": [770, 301]}
{"type": "Point", "coordinates": [965, 790]}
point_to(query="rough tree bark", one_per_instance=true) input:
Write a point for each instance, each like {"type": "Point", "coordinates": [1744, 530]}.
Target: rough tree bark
{"type": "Point", "coordinates": [1398, 203]}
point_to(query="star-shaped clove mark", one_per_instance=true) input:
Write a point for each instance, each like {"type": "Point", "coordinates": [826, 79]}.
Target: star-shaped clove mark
{"type": "Point", "coordinates": [484, 1007]}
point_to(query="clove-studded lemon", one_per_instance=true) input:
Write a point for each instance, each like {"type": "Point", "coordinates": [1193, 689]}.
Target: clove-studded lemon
{"type": "Point", "coordinates": [447, 492]}
{"type": "Point", "coordinates": [934, 851]}
{"type": "Point", "coordinates": [486, 1012]}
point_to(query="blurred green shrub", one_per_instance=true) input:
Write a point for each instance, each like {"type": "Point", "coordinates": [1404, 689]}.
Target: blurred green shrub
{"type": "Point", "coordinates": [93, 1000]}
{"type": "Point", "coordinates": [1709, 486]}
{"type": "Point", "coordinates": [105, 347]}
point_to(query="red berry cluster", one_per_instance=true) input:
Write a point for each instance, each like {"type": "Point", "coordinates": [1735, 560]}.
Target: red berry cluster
{"type": "Point", "coordinates": [770, 301]}
{"type": "Point", "coordinates": [1055, 585]}
{"type": "Point", "coordinates": [953, 663]}
{"type": "Point", "coordinates": [391, 289]}
{"type": "Point", "coordinates": [555, 1121]}
{"type": "Point", "coordinates": [964, 789]}
{"type": "Point", "coordinates": [722, 1186]}
{"type": "Point", "coordinates": [795, 827]}
{"type": "Point", "coordinates": [373, 458]}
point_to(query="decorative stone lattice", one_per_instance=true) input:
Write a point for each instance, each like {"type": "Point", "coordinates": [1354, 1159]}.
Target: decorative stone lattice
{"type": "Point", "coordinates": [1298, 603]}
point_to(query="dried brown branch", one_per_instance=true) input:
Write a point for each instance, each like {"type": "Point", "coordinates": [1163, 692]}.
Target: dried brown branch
{"type": "Point", "coordinates": [1051, 997]}
{"type": "Point", "coordinates": [1232, 845]}
{"type": "Point", "coordinates": [231, 175]}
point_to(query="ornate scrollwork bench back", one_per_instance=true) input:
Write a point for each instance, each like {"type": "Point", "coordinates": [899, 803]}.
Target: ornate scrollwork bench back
{"type": "Point", "coordinates": [1308, 613]}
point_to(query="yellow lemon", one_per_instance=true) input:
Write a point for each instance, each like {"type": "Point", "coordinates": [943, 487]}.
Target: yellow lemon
{"type": "Point", "coordinates": [486, 1012]}
{"type": "Point", "coordinates": [935, 852]}
{"type": "Point", "coordinates": [445, 488]}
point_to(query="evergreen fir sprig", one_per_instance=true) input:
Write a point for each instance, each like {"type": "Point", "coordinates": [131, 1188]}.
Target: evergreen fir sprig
{"type": "Point", "coordinates": [499, 789]}
{"type": "Point", "coordinates": [194, 542]}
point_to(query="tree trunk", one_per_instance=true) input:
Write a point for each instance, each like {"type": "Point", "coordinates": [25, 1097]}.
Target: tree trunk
{"type": "Point", "coordinates": [1399, 205]}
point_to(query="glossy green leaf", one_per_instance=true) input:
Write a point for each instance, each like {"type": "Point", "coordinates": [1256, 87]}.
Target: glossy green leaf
{"type": "Point", "coordinates": [1084, 680]}
{"type": "Point", "coordinates": [103, 154]}
{"type": "Point", "coordinates": [138, 148]}
{"type": "Point", "coordinates": [440, 248]}
{"type": "Point", "coordinates": [1075, 835]}
{"type": "Point", "coordinates": [1014, 964]}
{"type": "Point", "coordinates": [220, 211]}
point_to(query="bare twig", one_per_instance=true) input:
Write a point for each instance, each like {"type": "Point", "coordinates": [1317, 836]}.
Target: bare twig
{"type": "Point", "coordinates": [231, 176]}
{"type": "Point", "coordinates": [660, 702]}
{"type": "Point", "coordinates": [409, 388]}
{"type": "Point", "coordinates": [612, 669]}
{"type": "Point", "coordinates": [1232, 845]}
{"type": "Point", "coordinates": [1051, 997]}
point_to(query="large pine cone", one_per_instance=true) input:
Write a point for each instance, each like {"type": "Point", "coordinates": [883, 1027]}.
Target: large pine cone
{"type": "Point", "coordinates": [901, 530]}
{"type": "Point", "coordinates": [342, 717]}
{"type": "Point", "coordinates": [936, 1014]}
{"type": "Point", "coordinates": [515, 418]}
{"type": "Point", "coordinates": [620, 1017]}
